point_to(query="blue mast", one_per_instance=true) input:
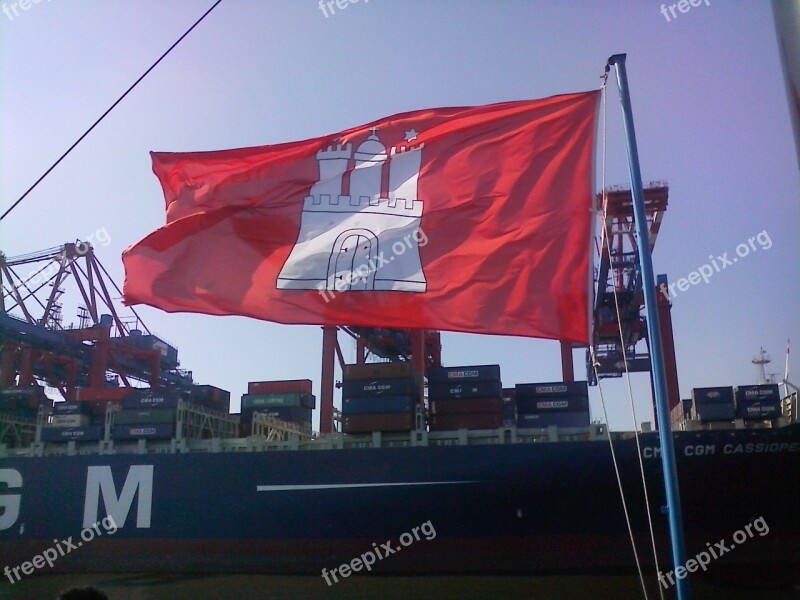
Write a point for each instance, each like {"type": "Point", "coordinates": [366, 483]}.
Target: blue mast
{"type": "Point", "coordinates": [653, 331]}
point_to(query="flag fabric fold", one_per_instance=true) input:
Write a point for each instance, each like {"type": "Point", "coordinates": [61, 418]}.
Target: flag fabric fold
{"type": "Point", "coordinates": [474, 219]}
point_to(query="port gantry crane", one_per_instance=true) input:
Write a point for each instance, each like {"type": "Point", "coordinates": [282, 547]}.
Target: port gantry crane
{"type": "Point", "coordinates": [91, 360]}
{"type": "Point", "coordinates": [618, 322]}
{"type": "Point", "coordinates": [422, 347]}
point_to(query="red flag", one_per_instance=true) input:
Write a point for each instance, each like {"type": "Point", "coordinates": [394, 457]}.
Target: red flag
{"type": "Point", "coordinates": [472, 219]}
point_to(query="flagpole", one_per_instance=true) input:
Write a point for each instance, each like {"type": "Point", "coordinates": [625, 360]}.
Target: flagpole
{"type": "Point", "coordinates": [653, 331]}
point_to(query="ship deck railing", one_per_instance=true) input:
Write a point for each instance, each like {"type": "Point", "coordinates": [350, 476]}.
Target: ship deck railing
{"type": "Point", "coordinates": [335, 441]}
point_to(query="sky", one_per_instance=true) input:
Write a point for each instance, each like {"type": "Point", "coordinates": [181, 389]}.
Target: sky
{"type": "Point", "coordinates": [709, 105]}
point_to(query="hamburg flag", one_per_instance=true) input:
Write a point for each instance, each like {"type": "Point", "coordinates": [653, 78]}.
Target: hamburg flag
{"type": "Point", "coordinates": [473, 219]}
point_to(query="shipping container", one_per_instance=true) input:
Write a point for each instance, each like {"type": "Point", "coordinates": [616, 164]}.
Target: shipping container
{"type": "Point", "coordinates": [153, 431]}
{"type": "Point", "coordinates": [378, 405]}
{"type": "Point", "coordinates": [767, 392]}
{"type": "Point", "coordinates": [103, 394]}
{"type": "Point", "coordinates": [274, 400]}
{"type": "Point", "coordinates": [92, 433]}
{"type": "Point", "coordinates": [384, 370]}
{"type": "Point", "coordinates": [557, 419]}
{"type": "Point", "coordinates": [462, 406]}
{"type": "Point", "coordinates": [468, 374]}
{"type": "Point", "coordinates": [477, 389]}
{"type": "Point", "coordinates": [555, 388]}
{"type": "Point", "coordinates": [453, 422]}
{"type": "Point", "coordinates": [16, 403]}
{"type": "Point", "coordinates": [297, 386]}
{"type": "Point", "coordinates": [541, 404]}
{"type": "Point", "coordinates": [708, 412]}
{"type": "Point", "coordinates": [75, 420]}
{"type": "Point", "coordinates": [149, 416]}
{"type": "Point", "coordinates": [35, 392]}
{"type": "Point", "coordinates": [294, 414]}
{"type": "Point", "coordinates": [712, 395]}
{"type": "Point", "coordinates": [380, 387]}
{"type": "Point", "coordinates": [210, 396]}
{"type": "Point", "coordinates": [387, 422]}
{"type": "Point", "coordinates": [758, 410]}
{"type": "Point", "coordinates": [71, 408]}
{"type": "Point", "coordinates": [145, 398]}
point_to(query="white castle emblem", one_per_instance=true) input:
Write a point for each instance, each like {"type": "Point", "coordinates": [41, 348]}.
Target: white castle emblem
{"type": "Point", "coordinates": [350, 239]}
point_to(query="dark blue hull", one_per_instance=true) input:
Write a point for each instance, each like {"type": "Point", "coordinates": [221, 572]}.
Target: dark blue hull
{"type": "Point", "coordinates": [499, 508]}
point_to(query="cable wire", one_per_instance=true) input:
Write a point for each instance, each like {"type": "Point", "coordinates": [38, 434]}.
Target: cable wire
{"type": "Point", "coordinates": [595, 364]}
{"type": "Point", "coordinates": [110, 108]}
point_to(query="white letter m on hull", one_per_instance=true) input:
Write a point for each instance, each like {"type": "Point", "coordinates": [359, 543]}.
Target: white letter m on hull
{"type": "Point", "coordinates": [100, 480]}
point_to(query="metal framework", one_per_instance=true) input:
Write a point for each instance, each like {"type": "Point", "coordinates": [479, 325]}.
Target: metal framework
{"type": "Point", "coordinates": [618, 280]}
{"type": "Point", "coordinates": [422, 347]}
{"type": "Point", "coordinates": [37, 347]}
{"type": "Point", "coordinates": [275, 430]}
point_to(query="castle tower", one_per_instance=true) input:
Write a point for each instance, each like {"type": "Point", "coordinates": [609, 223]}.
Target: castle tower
{"type": "Point", "coordinates": [332, 166]}
{"type": "Point", "coordinates": [367, 240]}
{"type": "Point", "coordinates": [404, 174]}
{"type": "Point", "coordinates": [365, 180]}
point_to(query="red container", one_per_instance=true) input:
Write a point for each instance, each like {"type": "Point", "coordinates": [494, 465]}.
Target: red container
{"type": "Point", "coordinates": [287, 386]}
{"type": "Point", "coordinates": [448, 422]}
{"type": "Point", "coordinates": [117, 394]}
{"type": "Point", "coordinates": [461, 406]}
{"type": "Point", "coordinates": [385, 422]}
{"type": "Point", "coordinates": [385, 370]}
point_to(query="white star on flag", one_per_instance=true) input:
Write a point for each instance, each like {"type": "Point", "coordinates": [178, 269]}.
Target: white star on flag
{"type": "Point", "coordinates": [411, 135]}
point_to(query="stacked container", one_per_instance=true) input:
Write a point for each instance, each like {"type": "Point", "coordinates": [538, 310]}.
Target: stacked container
{"type": "Point", "coordinates": [713, 404]}
{"type": "Point", "coordinates": [509, 407]}
{"type": "Point", "coordinates": [680, 412]}
{"type": "Point", "coordinates": [148, 413]}
{"type": "Point", "coordinates": [23, 401]}
{"type": "Point", "coordinates": [560, 404]}
{"type": "Point", "coordinates": [758, 402]}
{"type": "Point", "coordinates": [379, 397]}
{"type": "Point", "coordinates": [287, 400]}
{"type": "Point", "coordinates": [468, 397]}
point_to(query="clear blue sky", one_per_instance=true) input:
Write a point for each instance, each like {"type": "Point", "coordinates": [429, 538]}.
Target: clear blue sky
{"type": "Point", "coordinates": [709, 103]}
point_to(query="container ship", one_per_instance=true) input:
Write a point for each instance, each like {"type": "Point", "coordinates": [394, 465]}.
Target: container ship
{"type": "Point", "coordinates": [432, 469]}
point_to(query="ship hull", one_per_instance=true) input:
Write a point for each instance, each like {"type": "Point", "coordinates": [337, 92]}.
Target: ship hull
{"type": "Point", "coordinates": [532, 508]}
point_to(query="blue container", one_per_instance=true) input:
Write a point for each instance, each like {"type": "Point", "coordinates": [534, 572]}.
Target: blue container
{"type": "Point", "coordinates": [558, 419]}
{"type": "Point", "coordinates": [478, 389]}
{"type": "Point", "coordinates": [464, 374]}
{"type": "Point", "coordinates": [70, 408]}
{"type": "Point", "coordinates": [545, 404]}
{"type": "Point", "coordinates": [761, 393]}
{"type": "Point", "coordinates": [147, 398]}
{"type": "Point", "coordinates": [713, 395]}
{"type": "Point", "coordinates": [91, 433]}
{"type": "Point", "coordinates": [556, 388]}
{"type": "Point", "coordinates": [379, 387]}
{"type": "Point", "coordinates": [759, 410]}
{"type": "Point", "coordinates": [714, 411]}
{"type": "Point", "coordinates": [155, 431]}
{"type": "Point", "coordinates": [378, 405]}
